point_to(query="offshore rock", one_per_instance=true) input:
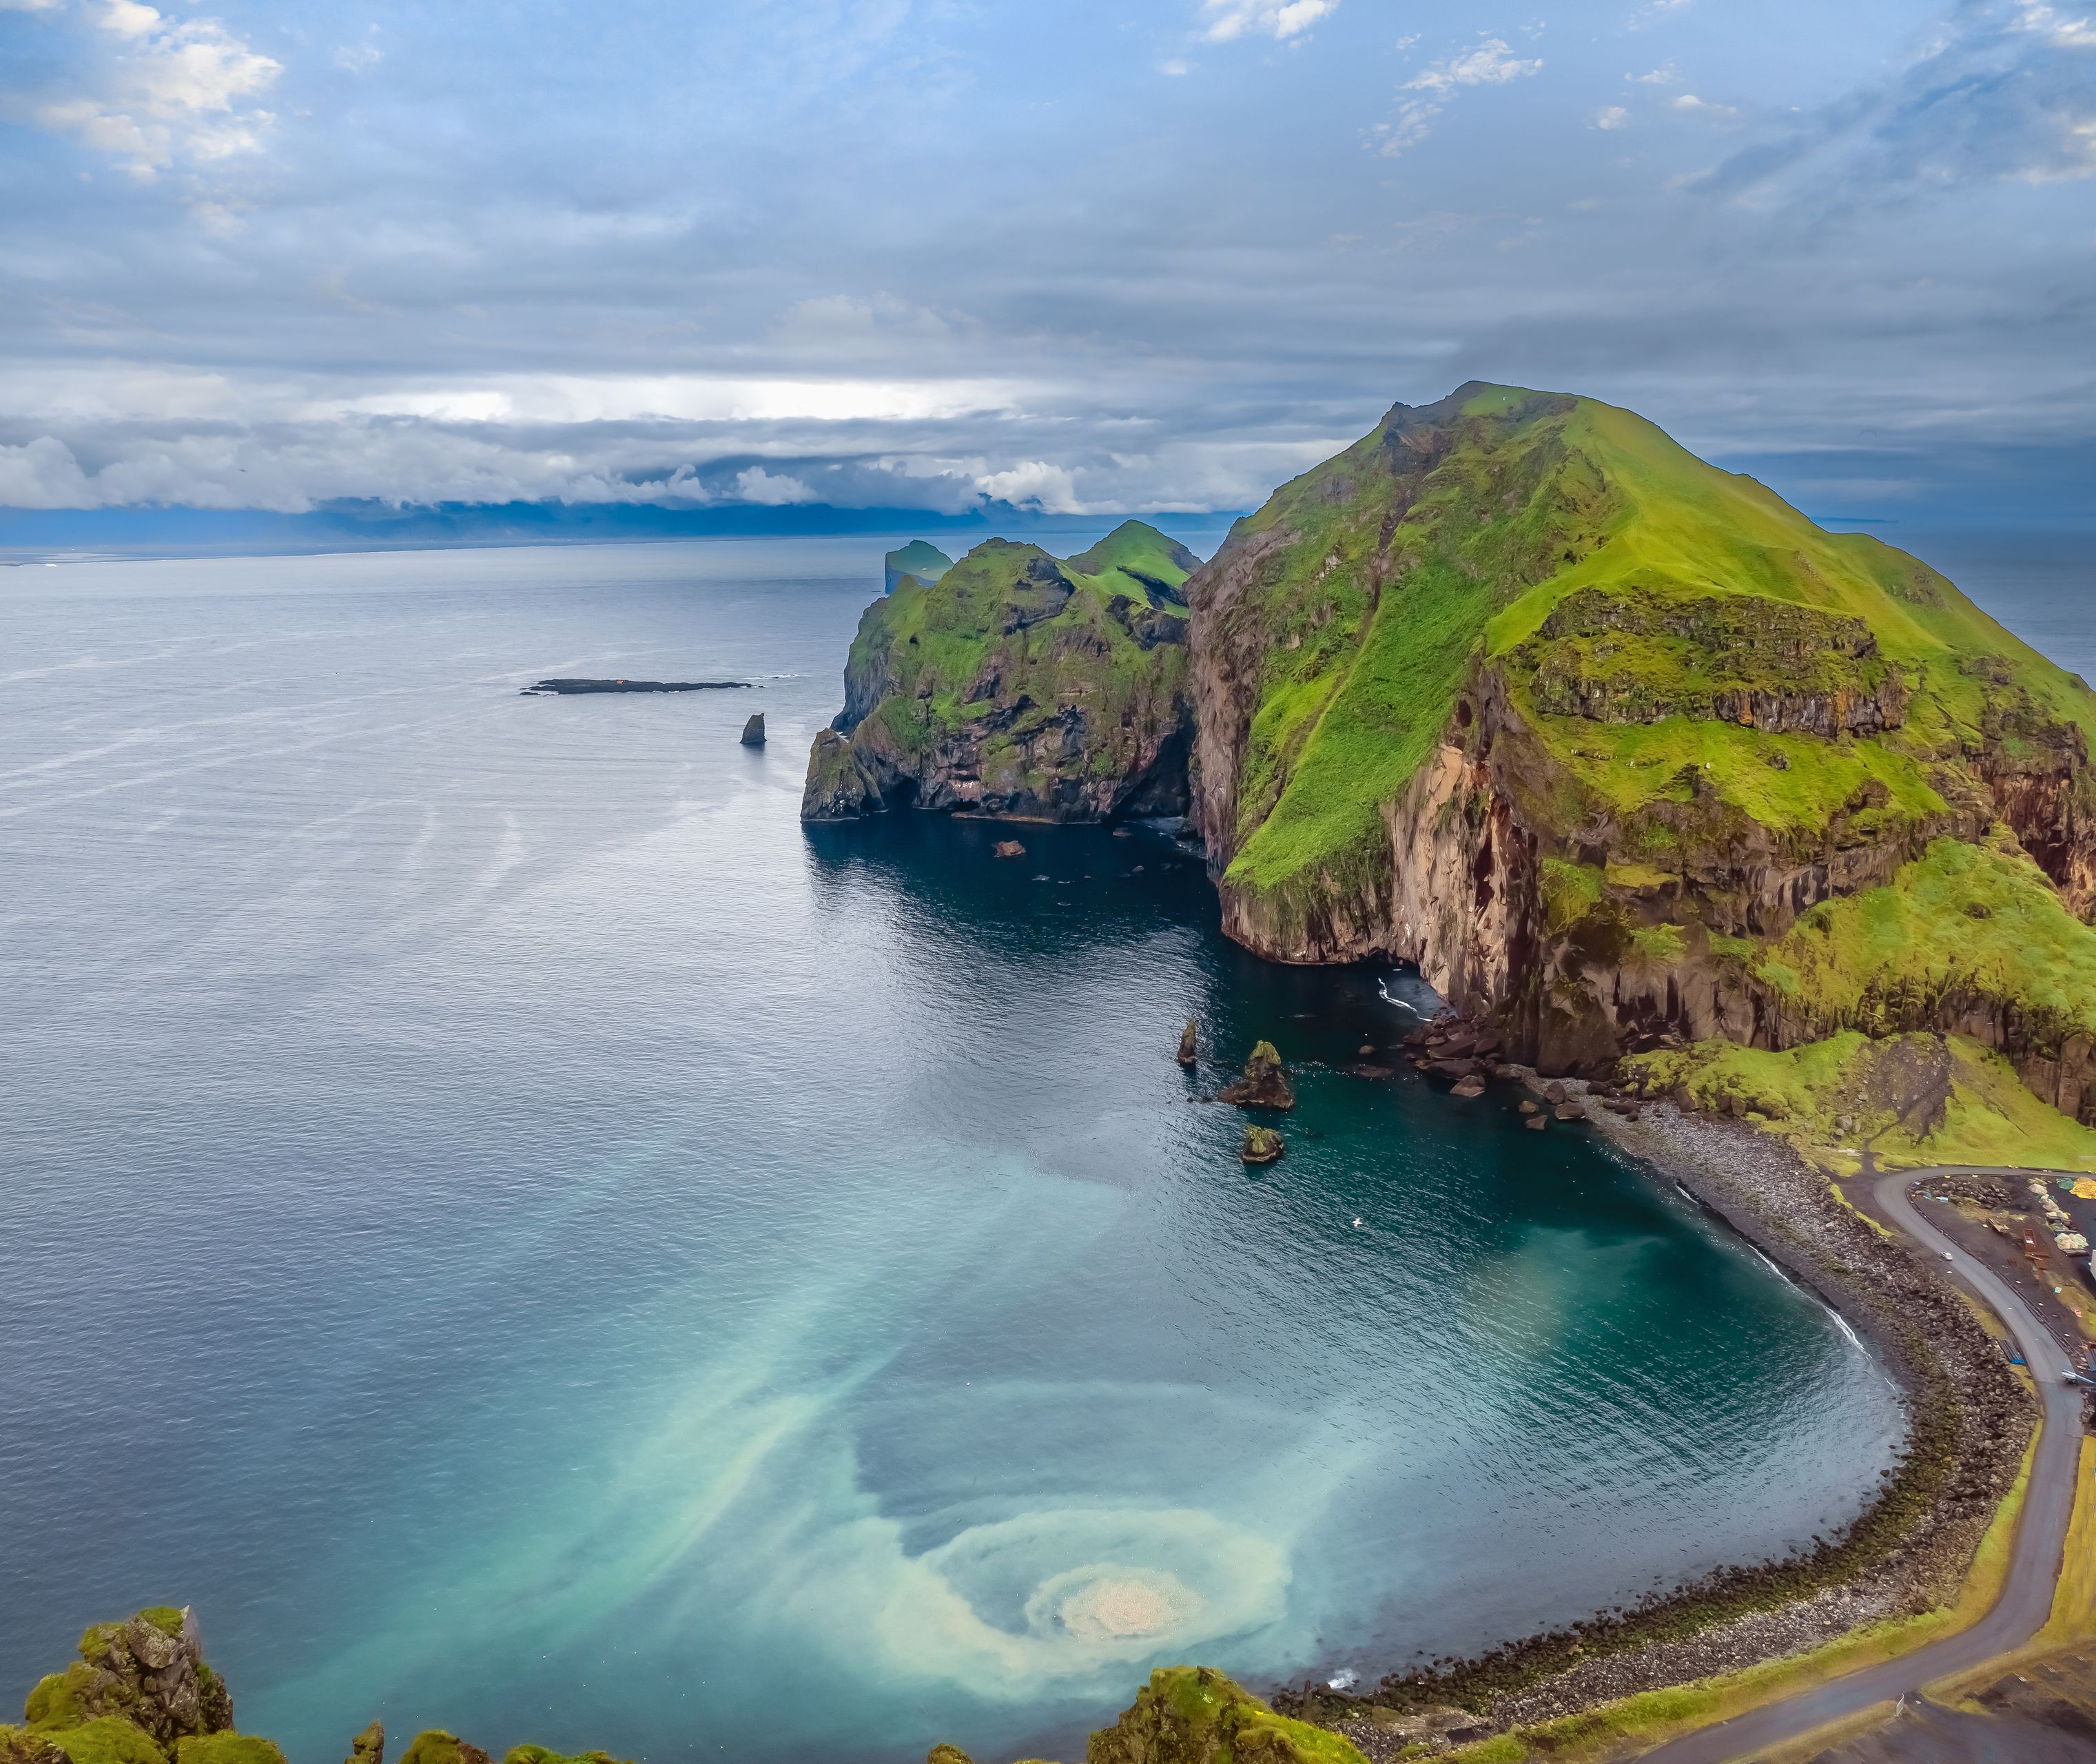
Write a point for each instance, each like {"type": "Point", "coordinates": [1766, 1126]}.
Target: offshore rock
{"type": "Point", "coordinates": [1019, 686]}
{"type": "Point", "coordinates": [1188, 1048]}
{"type": "Point", "coordinates": [1263, 1086]}
{"type": "Point", "coordinates": [1007, 847]}
{"type": "Point", "coordinates": [1262, 1144]}
{"type": "Point", "coordinates": [369, 1746]}
{"type": "Point", "coordinates": [753, 731]}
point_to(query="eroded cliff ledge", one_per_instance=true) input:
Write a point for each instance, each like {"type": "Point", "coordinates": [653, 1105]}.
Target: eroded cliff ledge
{"type": "Point", "coordinates": [1623, 751]}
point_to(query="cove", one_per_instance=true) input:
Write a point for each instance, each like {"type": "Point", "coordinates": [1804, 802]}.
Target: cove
{"type": "Point", "coordinates": [527, 1239]}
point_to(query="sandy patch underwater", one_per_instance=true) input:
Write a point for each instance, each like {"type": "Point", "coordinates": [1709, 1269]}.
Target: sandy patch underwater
{"type": "Point", "coordinates": [581, 1259]}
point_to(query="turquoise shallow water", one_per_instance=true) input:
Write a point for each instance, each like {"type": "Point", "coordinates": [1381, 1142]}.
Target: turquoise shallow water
{"type": "Point", "coordinates": [526, 1238]}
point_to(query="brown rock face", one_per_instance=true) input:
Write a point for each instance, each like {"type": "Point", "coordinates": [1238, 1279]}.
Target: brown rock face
{"type": "Point", "coordinates": [1189, 1048]}
{"type": "Point", "coordinates": [1264, 1086]}
{"type": "Point", "coordinates": [369, 1746]}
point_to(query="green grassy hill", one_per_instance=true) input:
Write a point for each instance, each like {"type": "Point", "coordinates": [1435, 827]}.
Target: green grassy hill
{"type": "Point", "coordinates": [1517, 687]}
{"type": "Point", "coordinates": [1019, 685]}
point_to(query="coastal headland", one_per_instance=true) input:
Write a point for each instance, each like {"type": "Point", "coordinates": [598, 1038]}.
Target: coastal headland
{"type": "Point", "coordinates": [1765, 835]}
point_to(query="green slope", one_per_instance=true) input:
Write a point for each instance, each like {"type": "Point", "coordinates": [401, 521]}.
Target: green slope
{"type": "Point", "coordinates": [1447, 537]}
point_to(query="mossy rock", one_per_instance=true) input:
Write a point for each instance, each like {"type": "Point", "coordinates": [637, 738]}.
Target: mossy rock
{"type": "Point", "coordinates": [19, 1745]}
{"type": "Point", "coordinates": [1264, 1086]}
{"type": "Point", "coordinates": [1262, 1144]}
{"type": "Point", "coordinates": [227, 1748]}
{"type": "Point", "coordinates": [539, 1754]}
{"type": "Point", "coordinates": [104, 1739]}
{"type": "Point", "coordinates": [1195, 1715]}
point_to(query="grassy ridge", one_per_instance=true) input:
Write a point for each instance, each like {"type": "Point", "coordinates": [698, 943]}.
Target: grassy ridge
{"type": "Point", "coordinates": [1416, 554]}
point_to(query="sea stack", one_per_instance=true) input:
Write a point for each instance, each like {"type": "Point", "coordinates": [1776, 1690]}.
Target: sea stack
{"type": "Point", "coordinates": [753, 731]}
{"type": "Point", "coordinates": [369, 1746]}
{"type": "Point", "coordinates": [1262, 1144]}
{"type": "Point", "coordinates": [1263, 1086]}
{"type": "Point", "coordinates": [1189, 1049]}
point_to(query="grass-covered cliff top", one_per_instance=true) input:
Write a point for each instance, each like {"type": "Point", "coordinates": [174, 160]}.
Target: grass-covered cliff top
{"type": "Point", "coordinates": [1450, 535]}
{"type": "Point", "coordinates": [935, 642]}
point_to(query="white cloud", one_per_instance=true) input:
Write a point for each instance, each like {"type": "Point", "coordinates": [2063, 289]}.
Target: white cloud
{"type": "Point", "coordinates": [1690, 104]}
{"type": "Point", "coordinates": [774, 490]}
{"type": "Point", "coordinates": [1612, 117]}
{"type": "Point", "coordinates": [1052, 489]}
{"type": "Point", "coordinates": [354, 58]}
{"type": "Point", "coordinates": [1665, 74]}
{"type": "Point", "coordinates": [167, 89]}
{"type": "Point", "coordinates": [2061, 33]}
{"type": "Point", "coordinates": [30, 5]}
{"type": "Point", "coordinates": [1281, 20]}
{"type": "Point", "coordinates": [1175, 67]}
{"type": "Point", "coordinates": [1490, 63]}
{"type": "Point", "coordinates": [44, 474]}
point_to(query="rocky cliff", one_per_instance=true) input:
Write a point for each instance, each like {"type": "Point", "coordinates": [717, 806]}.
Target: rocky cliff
{"type": "Point", "coordinates": [1517, 689]}
{"type": "Point", "coordinates": [1021, 685]}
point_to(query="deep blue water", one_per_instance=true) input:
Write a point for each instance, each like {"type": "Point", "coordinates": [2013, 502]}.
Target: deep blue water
{"type": "Point", "coordinates": [526, 1238]}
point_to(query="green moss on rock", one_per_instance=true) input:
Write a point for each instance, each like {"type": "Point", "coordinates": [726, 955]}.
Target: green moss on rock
{"type": "Point", "coordinates": [1195, 1715]}
{"type": "Point", "coordinates": [102, 1739]}
{"type": "Point", "coordinates": [1019, 685]}
{"type": "Point", "coordinates": [228, 1748]}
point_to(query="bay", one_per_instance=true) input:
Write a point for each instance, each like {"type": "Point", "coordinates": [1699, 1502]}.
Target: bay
{"type": "Point", "coordinates": [527, 1238]}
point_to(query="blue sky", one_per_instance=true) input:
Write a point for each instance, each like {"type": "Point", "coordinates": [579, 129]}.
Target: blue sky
{"type": "Point", "coordinates": [1074, 258]}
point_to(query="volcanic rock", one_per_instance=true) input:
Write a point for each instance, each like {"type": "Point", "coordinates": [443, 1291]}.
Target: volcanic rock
{"type": "Point", "coordinates": [1263, 1085]}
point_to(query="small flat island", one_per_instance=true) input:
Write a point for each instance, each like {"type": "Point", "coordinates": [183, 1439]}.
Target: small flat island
{"type": "Point", "coordinates": [634, 686]}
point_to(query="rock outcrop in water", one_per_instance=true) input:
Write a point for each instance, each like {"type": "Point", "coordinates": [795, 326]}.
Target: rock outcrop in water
{"type": "Point", "coordinates": [1264, 1086]}
{"type": "Point", "coordinates": [753, 731]}
{"type": "Point", "coordinates": [1624, 752]}
{"type": "Point", "coordinates": [1019, 686]}
{"type": "Point", "coordinates": [1262, 1144]}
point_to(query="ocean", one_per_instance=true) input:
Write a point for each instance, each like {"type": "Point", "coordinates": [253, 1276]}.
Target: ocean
{"type": "Point", "coordinates": [526, 1238]}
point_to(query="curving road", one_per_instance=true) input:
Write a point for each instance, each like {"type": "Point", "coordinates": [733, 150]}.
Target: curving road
{"type": "Point", "coordinates": [2026, 1599]}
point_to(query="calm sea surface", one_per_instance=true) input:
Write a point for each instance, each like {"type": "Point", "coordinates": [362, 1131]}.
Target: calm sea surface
{"type": "Point", "coordinates": [526, 1238]}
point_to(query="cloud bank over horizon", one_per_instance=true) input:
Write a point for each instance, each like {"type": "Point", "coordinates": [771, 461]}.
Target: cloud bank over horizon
{"type": "Point", "coordinates": [903, 254]}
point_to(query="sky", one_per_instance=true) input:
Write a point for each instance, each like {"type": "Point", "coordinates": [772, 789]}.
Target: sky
{"type": "Point", "coordinates": [1067, 259]}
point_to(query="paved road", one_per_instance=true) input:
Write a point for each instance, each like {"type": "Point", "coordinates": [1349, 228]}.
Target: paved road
{"type": "Point", "coordinates": [2026, 1600]}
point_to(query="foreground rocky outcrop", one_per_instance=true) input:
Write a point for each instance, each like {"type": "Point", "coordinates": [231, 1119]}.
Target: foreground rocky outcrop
{"type": "Point", "coordinates": [1601, 737]}
{"type": "Point", "coordinates": [1021, 685]}
{"type": "Point", "coordinates": [141, 1692]}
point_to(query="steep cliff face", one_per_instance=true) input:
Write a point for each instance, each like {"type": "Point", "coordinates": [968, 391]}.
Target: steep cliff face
{"type": "Point", "coordinates": [1518, 690]}
{"type": "Point", "coordinates": [1019, 686]}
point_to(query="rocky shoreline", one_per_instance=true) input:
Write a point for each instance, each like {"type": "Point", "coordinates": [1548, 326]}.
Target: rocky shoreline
{"type": "Point", "coordinates": [1969, 1421]}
